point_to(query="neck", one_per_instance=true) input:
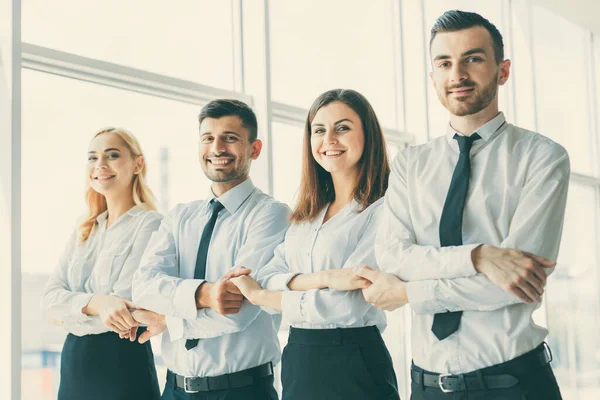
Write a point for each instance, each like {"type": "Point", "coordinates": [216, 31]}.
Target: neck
{"type": "Point", "coordinates": [220, 188]}
{"type": "Point", "coordinates": [117, 206]}
{"type": "Point", "coordinates": [468, 124]}
{"type": "Point", "coordinates": [344, 184]}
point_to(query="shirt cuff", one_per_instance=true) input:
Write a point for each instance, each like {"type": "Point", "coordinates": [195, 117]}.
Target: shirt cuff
{"type": "Point", "coordinates": [184, 303]}
{"type": "Point", "coordinates": [78, 303]}
{"type": "Point", "coordinates": [457, 261]}
{"type": "Point", "coordinates": [175, 327]}
{"type": "Point", "coordinates": [291, 306]}
{"type": "Point", "coordinates": [280, 282]}
{"type": "Point", "coordinates": [422, 297]}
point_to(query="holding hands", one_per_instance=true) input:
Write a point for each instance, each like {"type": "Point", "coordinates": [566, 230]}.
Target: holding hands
{"type": "Point", "coordinates": [113, 311]}
{"type": "Point", "coordinates": [385, 291]}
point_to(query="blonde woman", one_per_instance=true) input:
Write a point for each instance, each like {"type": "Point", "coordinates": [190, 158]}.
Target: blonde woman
{"type": "Point", "coordinates": [90, 292]}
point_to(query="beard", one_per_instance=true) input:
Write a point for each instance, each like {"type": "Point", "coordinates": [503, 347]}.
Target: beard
{"type": "Point", "coordinates": [479, 100]}
{"type": "Point", "coordinates": [226, 176]}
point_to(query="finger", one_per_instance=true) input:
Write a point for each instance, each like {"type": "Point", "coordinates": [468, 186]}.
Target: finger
{"type": "Point", "coordinates": [133, 333]}
{"type": "Point", "coordinates": [238, 271]}
{"type": "Point", "coordinates": [228, 296]}
{"type": "Point", "coordinates": [120, 325]}
{"type": "Point", "coordinates": [128, 319]}
{"type": "Point", "coordinates": [232, 288]}
{"type": "Point", "coordinates": [144, 337]}
{"type": "Point", "coordinates": [536, 283]}
{"type": "Point", "coordinates": [366, 272]}
{"type": "Point", "coordinates": [544, 262]}
{"type": "Point", "coordinates": [522, 294]}
{"type": "Point", "coordinates": [540, 273]}
{"type": "Point", "coordinates": [117, 329]}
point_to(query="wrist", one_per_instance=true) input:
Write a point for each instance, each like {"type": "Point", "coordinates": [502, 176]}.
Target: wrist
{"type": "Point", "coordinates": [402, 295]}
{"type": "Point", "coordinates": [203, 295]}
{"type": "Point", "coordinates": [324, 278]}
{"type": "Point", "coordinates": [476, 257]}
{"type": "Point", "coordinates": [91, 309]}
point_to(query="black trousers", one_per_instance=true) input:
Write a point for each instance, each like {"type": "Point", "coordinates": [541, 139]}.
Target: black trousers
{"type": "Point", "coordinates": [105, 367]}
{"type": "Point", "coordinates": [330, 364]}
{"type": "Point", "coordinates": [261, 389]}
{"type": "Point", "coordinates": [536, 382]}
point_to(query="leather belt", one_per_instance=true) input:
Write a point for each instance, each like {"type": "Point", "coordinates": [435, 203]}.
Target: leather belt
{"type": "Point", "coordinates": [192, 384]}
{"type": "Point", "coordinates": [478, 380]}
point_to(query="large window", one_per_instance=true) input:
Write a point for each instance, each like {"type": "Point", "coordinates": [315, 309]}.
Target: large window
{"type": "Point", "coordinates": [378, 47]}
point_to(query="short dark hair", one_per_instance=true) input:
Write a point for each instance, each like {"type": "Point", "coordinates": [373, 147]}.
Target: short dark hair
{"type": "Point", "coordinates": [227, 107]}
{"type": "Point", "coordinates": [457, 20]}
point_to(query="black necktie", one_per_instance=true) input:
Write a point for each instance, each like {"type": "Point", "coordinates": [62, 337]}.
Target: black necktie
{"type": "Point", "coordinates": [200, 271]}
{"type": "Point", "coordinates": [445, 324]}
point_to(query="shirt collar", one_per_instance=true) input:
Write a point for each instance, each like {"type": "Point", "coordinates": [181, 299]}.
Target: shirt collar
{"type": "Point", "coordinates": [133, 211]}
{"type": "Point", "coordinates": [485, 131]}
{"type": "Point", "coordinates": [235, 197]}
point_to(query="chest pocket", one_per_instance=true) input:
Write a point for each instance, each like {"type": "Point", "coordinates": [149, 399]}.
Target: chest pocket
{"type": "Point", "coordinates": [81, 262]}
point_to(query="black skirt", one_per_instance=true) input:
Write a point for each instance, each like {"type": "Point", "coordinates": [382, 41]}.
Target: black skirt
{"type": "Point", "coordinates": [327, 364]}
{"type": "Point", "coordinates": [105, 367]}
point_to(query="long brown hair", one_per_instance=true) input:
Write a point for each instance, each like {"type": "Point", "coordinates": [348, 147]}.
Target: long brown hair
{"type": "Point", "coordinates": [316, 186]}
{"type": "Point", "coordinates": [141, 193]}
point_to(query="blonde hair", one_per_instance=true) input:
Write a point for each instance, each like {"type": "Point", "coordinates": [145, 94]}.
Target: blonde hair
{"type": "Point", "coordinates": [141, 193]}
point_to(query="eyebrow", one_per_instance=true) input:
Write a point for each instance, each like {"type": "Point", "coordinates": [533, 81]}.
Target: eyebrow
{"type": "Point", "coordinates": [107, 150]}
{"type": "Point", "coordinates": [336, 122]}
{"type": "Point", "coordinates": [223, 133]}
{"type": "Point", "coordinates": [476, 50]}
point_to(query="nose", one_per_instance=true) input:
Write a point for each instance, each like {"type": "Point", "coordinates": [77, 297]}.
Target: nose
{"type": "Point", "coordinates": [458, 73]}
{"type": "Point", "coordinates": [218, 146]}
{"type": "Point", "coordinates": [101, 163]}
{"type": "Point", "coordinates": [330, 137]}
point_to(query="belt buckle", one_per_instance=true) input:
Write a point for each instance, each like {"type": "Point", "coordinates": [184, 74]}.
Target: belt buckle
{"type": "Point", "coordinates": [187, 379]}
{"type": "Point", "coordinates": [441, 383]}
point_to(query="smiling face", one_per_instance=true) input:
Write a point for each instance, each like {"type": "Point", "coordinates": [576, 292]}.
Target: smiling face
{"type": "Point", "coordinates": [465, 72]}
{"type": "Point", "coordinates": [111, 166]}
{"type": "Point", "coordinates": [225, 150]}
{"type": "Point", "coordinates": [337, 139]}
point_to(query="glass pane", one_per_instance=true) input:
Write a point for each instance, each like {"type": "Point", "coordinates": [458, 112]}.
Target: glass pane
{"type": "Point", "coordinates": [562, 86]}
{"type": "Point", "coordinates": [321, 45]}
{"type": "Point", "coordinates": [188, 39]}
{"type": "Point", "coordinates": [56, 133]}
{"type": "Point", "coordinates": [492, 10]}
{"type": "Point", "coordinates": [287, 161]}
{"type": "Point", "coordinates": [573, 301]}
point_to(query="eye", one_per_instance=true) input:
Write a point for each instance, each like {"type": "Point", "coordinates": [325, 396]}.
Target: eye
{"type": "Point", "coordinates": [92, 158]}
{"type": "Point", "coordinates": [206, 139]}
{"type": "Point", "coordinates": [474, 59]}
{"type": "Point", "coordinates": [445, 64]}
{"type": "Point", "coordinates": [342, 128]}
{"type": "Point", "coordinates": [113, 155]}
{"type": "Point", "coordinates": [318, 131]}
{"type": "Point", "coordinates": [231, 138]}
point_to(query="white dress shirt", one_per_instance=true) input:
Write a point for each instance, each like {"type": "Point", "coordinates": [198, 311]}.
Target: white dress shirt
{"type": "Point", "coordinates": [103, 264]}
{"type": "Point", "coordinates": [345, 240]}
{"type": "Point", "coordinates": [246, 233]}
{"type": "Point", "coordinates": [516, 199]}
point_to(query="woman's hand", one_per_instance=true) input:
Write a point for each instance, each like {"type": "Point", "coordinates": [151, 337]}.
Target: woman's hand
{"type": "Point", "coordinates": [248, 286]}
{"type": "Point", "coordinates": [113, 311]}
{"type": "Point", "coordinates": [155, 325]}
{"type": "Point", "coordinates": [345, 279]}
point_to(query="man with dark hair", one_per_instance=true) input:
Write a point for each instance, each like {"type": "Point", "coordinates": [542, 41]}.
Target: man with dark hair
{"type": "Point", "coordinates": [471, 222]}
{"type": "Point", "coordinates": [215, 345]}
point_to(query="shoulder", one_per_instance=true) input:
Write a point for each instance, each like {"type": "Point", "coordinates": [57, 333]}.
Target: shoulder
{"type": "Point", "coordinates": [262, 204]}
{"type": "Point", "coordinates": [410, 153]}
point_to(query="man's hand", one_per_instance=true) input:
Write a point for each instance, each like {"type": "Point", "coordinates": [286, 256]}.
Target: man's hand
{"type": "Point", "coordinates": [156, 324]}
{"type": "Point", "coordinates": [345, 279]}
{"type": "Point", "coordinates": [222, 296]}
{"type": "Point", "coordinates": [386, 291]}
{"type": "Point", "coordinates": [520, 273]}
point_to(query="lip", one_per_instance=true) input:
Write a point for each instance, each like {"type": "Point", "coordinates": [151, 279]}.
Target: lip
{"type": "Point", "coordinates": [103, 178]}
{"type": "Point", "coordinates": [341, 153]}
{"type": "Point", "coordinates": [220, 161]}
{"type": "Point", "coordinates": [462, 91]}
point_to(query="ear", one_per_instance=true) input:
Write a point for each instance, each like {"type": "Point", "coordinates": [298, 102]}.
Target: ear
{"type": "Point", "coordinates": [432, 80]}
{"type": "Point", "coordinates": [139, 165]}
{"type": "Point", "coordinates": [504, 72]}
{"type": "Point", "coordinates": [256, 148]}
